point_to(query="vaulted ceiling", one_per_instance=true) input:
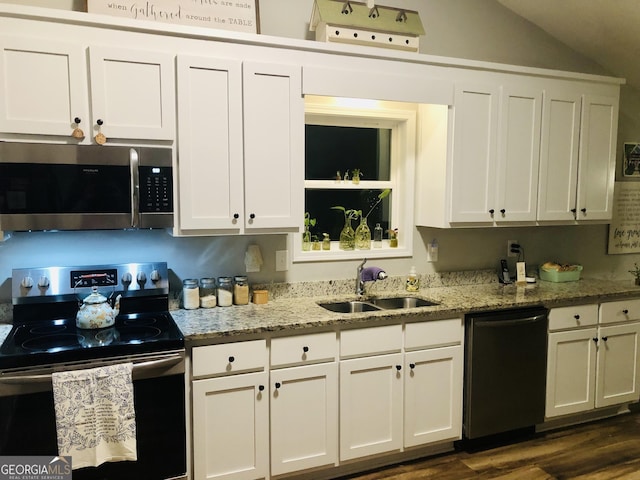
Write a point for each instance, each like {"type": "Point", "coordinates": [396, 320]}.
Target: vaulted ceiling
{"type": "Point", "coordinates": [606, 31]}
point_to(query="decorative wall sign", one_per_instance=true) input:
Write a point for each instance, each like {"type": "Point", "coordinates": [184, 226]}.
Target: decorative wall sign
{"type": "Point", "coordinates": [631, 165]}
{"type": "Point", "coordinates": [237, 15]}
{"type": "Point", "coordinates": [624, 230]}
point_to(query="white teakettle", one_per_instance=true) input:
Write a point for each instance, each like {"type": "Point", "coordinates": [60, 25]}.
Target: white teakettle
{"type": "Point", "coordinates": [96, 312]}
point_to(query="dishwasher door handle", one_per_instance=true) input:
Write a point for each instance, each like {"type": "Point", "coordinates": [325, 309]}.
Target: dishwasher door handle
{"type": "Point", "coordinates": [508, 323]}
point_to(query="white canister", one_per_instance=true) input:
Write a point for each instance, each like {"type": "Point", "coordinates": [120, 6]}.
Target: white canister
{"type": "Point", "coordinates": [225, 291]}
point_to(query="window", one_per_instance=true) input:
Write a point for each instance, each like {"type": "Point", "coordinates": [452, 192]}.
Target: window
{"type": "Point", "coordinates": [344, 138]}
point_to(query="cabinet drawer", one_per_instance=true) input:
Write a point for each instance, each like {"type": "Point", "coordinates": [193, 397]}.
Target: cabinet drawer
{"type": "Point", "coordinates": [620, 311]}
{"type": "Point", "coordinates": [303, 349]}
{"type": "Point", "coordinates": [370, 341]}
{"type": "Point", "coordinates": [573, 317]}
{"type": "Point", "coordinates": [230, 358]}
{"type": "Point", "coordinates": [433, 334]}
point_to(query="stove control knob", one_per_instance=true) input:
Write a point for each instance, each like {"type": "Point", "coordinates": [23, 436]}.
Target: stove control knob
{"type": "Point", "coordinates": [126, 279]}
{"type": "Point", "coordinates": [43, 282]}
{"type": "Point", "coordinates": [155, 276]}
{"type": "Point", "coordinates": [141, 278]}
{"type": "Point", "coordinates": [27, 282]}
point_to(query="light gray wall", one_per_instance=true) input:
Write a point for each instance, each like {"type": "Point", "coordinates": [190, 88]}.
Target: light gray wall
{"type": "Point", "coordinates": [471, 29]}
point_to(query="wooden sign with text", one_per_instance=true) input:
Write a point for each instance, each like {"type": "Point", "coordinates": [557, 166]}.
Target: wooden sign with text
{"type": "Point", "coordinates": [624, 230]}
{"type": "Point", "coordinates": [237, 15]}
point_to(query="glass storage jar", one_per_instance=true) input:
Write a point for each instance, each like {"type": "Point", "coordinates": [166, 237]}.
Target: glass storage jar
{"type": "Point", "coordinates": [190, 294]}
{"type": "Point", "coordinates": [225, 291]}
{"type": "Point", "coordinates": [240, 290]}
{"type": "Point", "coordinates": [207, 292]}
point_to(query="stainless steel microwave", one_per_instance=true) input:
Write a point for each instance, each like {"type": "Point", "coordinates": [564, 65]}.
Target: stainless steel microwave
{"type": "Point", "coordinates": [84, 187]}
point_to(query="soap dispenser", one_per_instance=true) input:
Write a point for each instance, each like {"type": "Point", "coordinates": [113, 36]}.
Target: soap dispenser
{"type": "Point", "coordinates": [413, 282]}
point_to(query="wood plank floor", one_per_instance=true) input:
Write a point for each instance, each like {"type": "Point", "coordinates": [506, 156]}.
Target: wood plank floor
{"type": "Point", "coordinates": [601, 450]}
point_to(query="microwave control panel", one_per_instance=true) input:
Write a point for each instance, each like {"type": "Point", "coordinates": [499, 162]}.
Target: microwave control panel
{"type": "Point", "coordinates": [156, 189]}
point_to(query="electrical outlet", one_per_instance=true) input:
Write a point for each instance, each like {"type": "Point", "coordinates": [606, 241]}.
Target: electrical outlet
{"type": "Point", "coordinates": [282, 260]}
{"type": "Point", "coordinates": [509, 244]}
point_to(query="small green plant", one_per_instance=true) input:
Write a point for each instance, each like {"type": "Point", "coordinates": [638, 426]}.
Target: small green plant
{"type": "Point", "coordinates": [382, 195]}
{"type": "Point", "coordinates": [308, 221]}
{"type": "Point", "coordinates": [636, 272]}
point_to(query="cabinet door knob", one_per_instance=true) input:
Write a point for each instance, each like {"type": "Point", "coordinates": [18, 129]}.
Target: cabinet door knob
{"type": "Point", "coordinates": [261, 388]}
{"type": "Point", "coordinates": [503, 211]}
{"type": "Point", "coordinates": [604, 339]}
{"type": "Point", "coordinates": [278, 385]}
{"type": "Point", "coordinates": [595, 339]}
{"type": "Point", "coordinates": [236, 216]}
{"type": "Point", "coordinates": [398, 367]}
{"type": "Point", "coordinates": [573, 210]}
{"type": "Point", "coordinates": [625, 311]}
{"type": "Point", "coordinates": [577, 317]}
{"type": "Point", "coordinates": [305, 349]}
{"type": "Point", "coordinates": [77, 120]}
{"type": "Point", "coordinates": [232, 359]}
{"type": "Point", "coordinates": [492, 211]}
{"type": "Point", "coordinates": [252, 216]}
{"type": "Point", "coordinates": [412, 366]}
{"type": "Point", "coordinates": [583, 210]}
{"type": "Point", "coordinates": [100, 122]}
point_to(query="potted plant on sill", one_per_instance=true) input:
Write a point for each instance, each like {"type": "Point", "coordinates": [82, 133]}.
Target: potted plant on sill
{"type": "Point", "coordinates": [306, 235]}
{"type": "Point", "coordinates": [347, 235]}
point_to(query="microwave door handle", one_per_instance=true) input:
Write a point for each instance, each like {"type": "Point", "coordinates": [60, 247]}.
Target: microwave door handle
{"type": "Point", "coordinates": [135, 187]}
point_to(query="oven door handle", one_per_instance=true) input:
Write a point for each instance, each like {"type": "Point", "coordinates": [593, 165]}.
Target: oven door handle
{"type": "Point", "coordinates": [139, 370]}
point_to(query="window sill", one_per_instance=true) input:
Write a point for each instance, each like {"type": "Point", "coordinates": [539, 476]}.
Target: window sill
{"type": "Point", "coordinates": [335, 253]}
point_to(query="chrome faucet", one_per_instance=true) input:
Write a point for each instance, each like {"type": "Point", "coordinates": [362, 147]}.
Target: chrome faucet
{"type": "Point", "coordinates": [369, 274]}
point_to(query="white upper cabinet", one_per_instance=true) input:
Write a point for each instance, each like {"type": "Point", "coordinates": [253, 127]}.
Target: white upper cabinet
{"type": "Point", "coordinates": [240, 146]}
{"type": "Point", "coordinates": [518, 154]}
{"type": "Point", "coordinates": [577, 166]}
{"type": "Point", "coordinates": [210, 182]}
{"type": "Point", "coordinates": [596, 170]}
{"type": "Point", "coordinates": [273, 146]}
{"type": "Point", "coordinates": [559, 154]}
{"type": "Point", "coordinates": [44, 90]}
{"type": "Point", "coordinates": [132, 93]}
{"type": "Point", "coordinates": [473, 173]}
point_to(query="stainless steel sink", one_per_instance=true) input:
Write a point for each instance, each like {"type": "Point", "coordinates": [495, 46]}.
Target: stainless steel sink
{"type": "Point", "coordinates": [353, 306]}
{"type": "Point", "coordinates": [391, 303]}
{"type": "Point", "coordinates": [386, 303]}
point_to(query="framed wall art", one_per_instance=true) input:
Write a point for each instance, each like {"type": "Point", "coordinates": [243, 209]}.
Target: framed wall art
{"type": "Point", "coordinates": [631, 161]}
{"type": "Point", "coordinates": [236, 15]}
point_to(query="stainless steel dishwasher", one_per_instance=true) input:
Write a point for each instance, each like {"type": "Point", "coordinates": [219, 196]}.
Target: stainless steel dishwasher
{"type": "Point", "coordinates": [505, 371]}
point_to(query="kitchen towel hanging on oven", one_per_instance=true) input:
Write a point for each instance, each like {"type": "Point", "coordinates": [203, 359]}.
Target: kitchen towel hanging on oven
{"type": "Point", "coordinates": [95, 416]}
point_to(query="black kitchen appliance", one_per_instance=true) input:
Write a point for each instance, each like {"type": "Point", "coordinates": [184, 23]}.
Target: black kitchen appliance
{"type": "Point", "coordinates": [81, 187]}
{"type": "Point", "coordinates": [44, 339]}
{"type": "Point", "coordinates": [505, 373]}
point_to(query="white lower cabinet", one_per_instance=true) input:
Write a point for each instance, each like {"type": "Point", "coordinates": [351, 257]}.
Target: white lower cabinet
{"type": "Point", "coordinates": [231, 411]}
{"type": "Point", "coordinates": [314, 401]}
{"type": "Point", "coordinates": [370, 405]}
{"type": "Point", "coordinates": [304, 403]}
{"type": "Point", "coordinates": [593, 365]}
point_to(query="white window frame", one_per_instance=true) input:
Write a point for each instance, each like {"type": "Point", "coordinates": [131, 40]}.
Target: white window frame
{"type": "Point", "coordinates": [400, 118]}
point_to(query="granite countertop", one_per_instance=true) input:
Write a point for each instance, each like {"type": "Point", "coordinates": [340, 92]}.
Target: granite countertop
{"type": "Point", "coordinates": [290, 313]}
{"type": "Point", "coordinates": [299, 313]}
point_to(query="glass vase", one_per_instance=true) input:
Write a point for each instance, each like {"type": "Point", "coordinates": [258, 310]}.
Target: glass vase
{"type": "Point", "coordinates": [306, 239]}
{"type": "Point", "coordinates": [347, 236]}
{"type": "Point", "coordinates": [363, 235]}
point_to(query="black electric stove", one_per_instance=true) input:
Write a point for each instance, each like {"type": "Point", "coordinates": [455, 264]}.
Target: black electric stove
{"type": "Point", "coordinates": [45, 302]}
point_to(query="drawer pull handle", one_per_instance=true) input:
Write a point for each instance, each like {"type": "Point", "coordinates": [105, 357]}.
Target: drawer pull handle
{"type": "Point", "coordinates": [261, 388]}
{"type": "Point", "coordinates": [398, 367]}
{"type": "Point", "coordinates": [577, 317]}
{"type": "Point", "coordinates": [605, 338]}
{"type": "Point", "coordinates": [412, 366]}
{"type": "Point", "coordinates": [232, 359]}
{"type": "Point", "coordinates": [625, 311]}
{"type": "Point", "coordinates": [305, 349]}
{"type": "Point", "coordinates": [278, 385]}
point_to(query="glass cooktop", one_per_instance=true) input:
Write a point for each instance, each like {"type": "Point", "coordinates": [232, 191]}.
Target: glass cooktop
{"type": "Point", "coordinates": [59, 340]}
